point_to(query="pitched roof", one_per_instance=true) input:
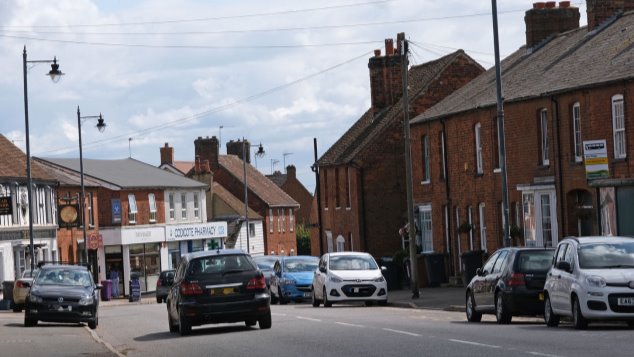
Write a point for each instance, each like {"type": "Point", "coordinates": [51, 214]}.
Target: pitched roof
{"type": "Point", "coordinates": [232, 201]}
{"type": "Point", "coordinates": [128, 173]}
{"type": "Point", "coordinates": [365, 130]}
{"type": "Point", "coordinates": [13, 163]}
{"type": "Point", "coordinates": [261, 186]}
{"type": "Point", "coordinates": [68, 177]}
{"type": "Point", "coordinates": [278, 178]}
{"type": "Point", "coordinates": [571, 60]}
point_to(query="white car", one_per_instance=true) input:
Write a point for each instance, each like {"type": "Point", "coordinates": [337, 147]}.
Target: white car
{"type": "Point", "coordinates": [592, 278]}
{"type": "Point", "coordinates": [348, 276]}
{"type": "Point", "coordinates": [21, 289]}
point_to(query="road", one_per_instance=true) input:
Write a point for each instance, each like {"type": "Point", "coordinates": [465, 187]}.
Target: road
{"type": "Point", "coordinates": [344, 330]}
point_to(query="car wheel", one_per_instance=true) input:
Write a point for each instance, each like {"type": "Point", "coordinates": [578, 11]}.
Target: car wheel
{"type": "Point", "coordinates": [472, 314]}
{"type": "Point", "coordinates": [159, 300]}
{"type": "Point", "coordinates": [580, 322]}
{"type": "Point", "coordinates": [93, 324]}
{"type": "Point", "coordinates": [326, 302]}
{"type": "Point", "coordinates": [502, 313]}
{"type": "Point", "coordinates": [314, 298]}
{"type": "Point", "coordinates": [250, 323]}
{"type": "Point", "coordinates": [28, 321]}
{"type": "Point", "coordinates": [282, 300]}
{"type": "Point", "coordinates": [551, 319]}
{"type": "Point", "coordinates": [183, 325]}
{"type": "Point", "coordinates": [265, 321]}
{"type": "Point", "coordinates": [274, 298]}
{"type": "Point", "coordinates": [17, 308]}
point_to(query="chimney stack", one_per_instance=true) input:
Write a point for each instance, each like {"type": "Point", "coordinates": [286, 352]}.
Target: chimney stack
{"type": "Point", "coordinates": [291, 171]}
{"type": "Point", "coordinates": [546, 19]}
{"type": "Point", "coordinates": [386, 80]}
{"type": "Point", "coordinates": [601, 10]}
{"type": "Point", "coordinates": [207, 149]}
{"type": "Point", "coordinates": [235, 148]}
{"type": "Point", "coordinates": [167, 155]}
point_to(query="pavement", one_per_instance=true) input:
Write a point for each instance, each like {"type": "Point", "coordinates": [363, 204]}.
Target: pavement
{"type": "Point", "coordinates": [448, 298]}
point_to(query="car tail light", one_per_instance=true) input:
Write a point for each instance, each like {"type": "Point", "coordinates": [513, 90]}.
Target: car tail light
{"type": "Point", "coordinates": [516, 279]}
{"type": "Point", "coordinates": [20, 284]}
{"type": "Point", "coordinates": [158, 283]}
{"type": "Point", "coordinates": [191, 289]}
{"type": "Point", "coordinates": [256, 283]}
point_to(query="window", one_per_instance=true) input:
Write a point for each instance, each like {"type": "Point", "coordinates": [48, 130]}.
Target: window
{"type": "Point", "coordinates": [424, 216]}
{"type": "Point", "coordinates": [279, 220]}
{"type": "Point", "coordinates": [543, 120]}
{"type": "Point", "coordinates": [291, 220]}
{"type": "Point", "coordinates": [483, 227]}
{"type": "Point", "coordinates": [251, 229]}
{"type": "Point", "coordinates": [196, 209]}
{"type": "Point", "coordinates": [470, 220]}
{"type": "Point", "coordinates": [499, 263]}
{"type": "Point", "coordinates": [337, 203]}
{"type": "Point", "coordinates": [425, 153]}
{"type": "Point", "coordinates": [171, 203]}
{"type": "Point", "coordinates": [183, 206]}
{"type": "Point", "coordinates": [283, 216]}
{"type": "Point", "coordinates": [576, 132]}
{"type": "Point", "coordinates": [270, 220]}
{"type": "Point", "coordinates": [618, 123]}
{"type": "Point", "coordinates": [478, 148]}
{"type": "Point", "coordinates": [152, 201]}
{"type": "Point", "coordinates": [347, 187]}
{"type": "Point", "coordinates": [91, 218]}
{"type": "Point", "coordinates": [132, 209]}
{"type": "Point", "coordinates": [442, 153]}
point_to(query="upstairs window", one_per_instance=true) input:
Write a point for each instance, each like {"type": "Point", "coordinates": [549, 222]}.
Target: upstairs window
{"type": "Point", "coordinates": [172, 208]}
{"type": "Point", "coordinates": [270, 220]}
{"type": "Point", "coordinates": [279, 220]}
{"type": "Point", "coordinates": [618, 123]}
{"type": "Point", "coordinates": [91, 217]}
{"type": "Point", "coordinates": [425, 153]}
{"type": "Point", "coordinates": [132, 210]}
{"type": "Point", "coordinates": [576, 132]}
{"type": "Point", "coordinates": [152, 201]}
{"type": "Point", "coordinates": [196, 206]}
{"type": "Point", "coordinates": [478, 148]}
{"type": "Point", "coordinates": [291, 220]}
{"type": "Point", "coordinates": [283, 215]}
{"type": "Point", "coordinates": [543, 120]}
{"type": "Point", "coordinates": [183, 206]}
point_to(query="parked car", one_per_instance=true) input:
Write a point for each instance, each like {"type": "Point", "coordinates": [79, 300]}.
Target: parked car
{"type": "Point", "coordinates": [511, 283]}
{"type": "Point", "coordinates": [348, 276]}
{"type": "Point", "coordinates": [21, 289]}
{"type": "Point", "coordinates": [165, 280]}
{"type": "Point", "coordinates": [62, 293]}
{"type": "Point", "coordinates": [293, 277]}
{"type": "Point", "coordinates": [265, 264]}
{"type": "Point", "coordinates": [217, 286]}
{"type": "Point", "coordinates": [592, 278]}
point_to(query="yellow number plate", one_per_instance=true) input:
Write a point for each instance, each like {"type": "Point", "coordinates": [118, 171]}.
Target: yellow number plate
{"type": "Point", "coordinates": [541, 296]}
{"type": "Point", "coordinates": [222, 291]}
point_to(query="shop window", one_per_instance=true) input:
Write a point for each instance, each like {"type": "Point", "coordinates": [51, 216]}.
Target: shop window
{"type": "Point", "coordinates": [152, 201]}
{"type": "Point", "coordinates": [132, 209]}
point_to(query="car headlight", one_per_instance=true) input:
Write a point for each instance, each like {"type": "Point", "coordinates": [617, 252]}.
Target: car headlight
{"type": "Point", "coordinates": [379, 279]}
{"type": "Point", "coordinates": [35, 299]}
{"type": "Point", "coordinates": [595, 281]}
{"type": "Point", "coordinates": [86, 300]}
{"type": "Point", "coordinates": [286, 281]}
{"type": "Point", "coordinates": [335, 279]}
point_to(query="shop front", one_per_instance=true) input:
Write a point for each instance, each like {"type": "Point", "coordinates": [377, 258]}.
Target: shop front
{"type": "Point", "coordinates": [188, 238]}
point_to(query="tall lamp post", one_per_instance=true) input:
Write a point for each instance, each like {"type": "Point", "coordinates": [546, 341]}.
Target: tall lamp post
{"type": "Point", "coordinates": [55, 75]}
{"type": "Point", "coordinates": [101, 126]}
{"type": "Point", "coordinates": [259, 153]}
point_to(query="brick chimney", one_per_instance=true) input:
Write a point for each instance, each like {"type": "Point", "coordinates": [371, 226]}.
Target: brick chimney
{"type": "Point", "coordinates": [207, 149]}
{"type": "Point", "coordinates": [546, 19]}
{"type": "Point", "coordinates": [601, 10]}
{"type": "Point", "coordinates": [235, 148]}
{"type": "Point", "coordinates": [167, 155]}
{"type": "Point", "coordinates": [291, 172]}
{"type": "Point", "coordinates": [386, 79]}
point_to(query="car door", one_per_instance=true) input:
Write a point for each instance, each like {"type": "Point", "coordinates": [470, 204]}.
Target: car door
{"type": "Point", "coordinates": [174, 290]}
{"type": "Point", "coordinates": [275, 278]}
{"type": "Point", "coordinates": [567, 280]}
{"type": "Point", "coordinates": [479, 282]}
{"type": "Point", "coordinates": [491, 280]}
{"type": "Point", "coordinates": [320, 276]}
{"type": "Point", "coordinates": [553, 280]}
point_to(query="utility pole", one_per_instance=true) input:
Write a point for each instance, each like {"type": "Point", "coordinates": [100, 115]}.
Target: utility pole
{"type": "Point", "coordinates": [408, 170]}
{"type": "Point", "coordinates": [501, 133]}
{"type": "Point", "coordinates": [315, 169]}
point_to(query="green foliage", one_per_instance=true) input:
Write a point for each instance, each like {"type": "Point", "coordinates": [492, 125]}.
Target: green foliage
{"type": "Point", "coordinates": [303, 239]}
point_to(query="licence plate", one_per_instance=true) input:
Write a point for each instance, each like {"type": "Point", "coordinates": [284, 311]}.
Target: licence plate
{"type": "Point", "coordinates": [306, 294]}
{"type": "Point", "coordinates": [222, 291]}
{"type": "Point", "coordinates": [356, 290]}
{"type": "Point", "coordinates": [61, 308]}
{"type": "Point", "coordinates": [541, 296]}
{"type": "Point", "coordinates": [625, 301]}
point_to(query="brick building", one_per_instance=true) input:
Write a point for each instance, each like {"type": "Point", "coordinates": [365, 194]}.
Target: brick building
{"type": "Point", "coordinates": [567, 86]}
{"type": "Point", "coordinates": [362, 175]}
{"type": "Point", "coordinates": [289, 183]}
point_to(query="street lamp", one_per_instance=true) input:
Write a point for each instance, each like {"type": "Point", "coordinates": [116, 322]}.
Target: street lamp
{"type": "Point", "coordinates": [55, 75]}
{"type": "Point", "coordinates": [259, 153]}
{"type": "Point", "coordinates": [101, 126]}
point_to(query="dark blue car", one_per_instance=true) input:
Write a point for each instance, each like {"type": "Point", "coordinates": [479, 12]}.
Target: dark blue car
{"type": "Point", "coordinates": [292, 278]}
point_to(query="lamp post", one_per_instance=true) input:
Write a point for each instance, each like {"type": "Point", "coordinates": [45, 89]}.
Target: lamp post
{"type": "Point", "coordinates": [101, 126]}
{"type": "Point", "coordinates": [55, 75]}
{"type": "Point", "coordinates": [259, 153]}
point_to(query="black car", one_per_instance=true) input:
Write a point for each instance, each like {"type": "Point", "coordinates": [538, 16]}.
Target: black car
{"type": "Point", "coordinates": [511, 283]}
{"type": "Point", "coordinates": [62, 293]}
{"type": "Point", "coordinates": [163, 284]}
{"type": "Point", "coordinates": [217, 286]}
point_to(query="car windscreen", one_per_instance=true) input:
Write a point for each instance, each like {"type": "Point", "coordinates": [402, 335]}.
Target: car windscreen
{"type": "Point", "coordinates": [220, 264]}
{"type": "Point", "coordinates": [535, 260]}
{"type": "Point", "coordinates": [64, 276]}
{"type": "Point", "coordinates": [352, 262]}
{"type": "Point", "coordinates": [606, 255]}
{"type": "Point", "coordinates": [296, 265]}
{"type": "Point", "coordinates": [29, 273]}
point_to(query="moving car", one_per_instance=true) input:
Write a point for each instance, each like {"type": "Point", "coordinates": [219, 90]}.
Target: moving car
{"type": "Point", "coordinates": [63, 293]}
{"type": "Point", "coordinates": [592, 278]}
{"type": "Point", "coordinates": [265, 264]}
{"type": "Point", "coordinates": [348, 276]}
{"type": "Point", "coordinates": [293, 278]}
{"type": "Point", "coordinates": [21, 289]}
{"type": "Point", "coordinates": [217, 286]}
{"type": "Point", "coordinates": [511, 283]}
{"type": "Point", "coordinates": [165, 280]}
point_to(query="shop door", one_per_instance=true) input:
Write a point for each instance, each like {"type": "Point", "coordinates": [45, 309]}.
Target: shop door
{"type": "Point", "coordinates": [546, 215]}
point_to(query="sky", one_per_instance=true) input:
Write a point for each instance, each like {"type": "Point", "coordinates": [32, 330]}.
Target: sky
{"type": "Point", "coordinates": [279, 73]}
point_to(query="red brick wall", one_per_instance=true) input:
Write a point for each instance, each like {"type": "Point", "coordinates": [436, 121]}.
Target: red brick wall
{"type": "Point", "coordinates": [67, 238]}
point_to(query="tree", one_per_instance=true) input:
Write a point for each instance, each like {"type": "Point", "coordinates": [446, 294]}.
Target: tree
{"type": "Point", "coordinates": [303, 239]}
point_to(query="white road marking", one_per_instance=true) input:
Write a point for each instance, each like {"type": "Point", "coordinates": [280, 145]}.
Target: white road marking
{"type": "Point", "coordinates": [277, 314]}
{"type": "Point", "coordinates": [474, 343]}
{"type": "Point", "coordinates": [542, 354]}
{"type": "Point", "coordinates": [348, 324]}
{"type": "Point", "coordinates": [307, 318]}
{"type": "Point", "coordinates": [402, 332]}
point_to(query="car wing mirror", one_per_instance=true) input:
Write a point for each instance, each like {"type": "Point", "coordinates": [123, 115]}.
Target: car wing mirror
{"type": "Point", "coordinates": [27, 284]}
{"type": "Point", "coordinates": [322, 269]}
{"type": "Point", "coordinates": [565, 266]}
{"type": "Point", "coordinates": [98, 286]}
{"type": "Point", "coordinates": [479, 272]}
{"type": "Point", "coordinates": [383, 269]}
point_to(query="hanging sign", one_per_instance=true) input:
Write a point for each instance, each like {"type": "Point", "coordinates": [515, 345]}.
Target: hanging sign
{"type": "Point", "coordinates": [595, 155]}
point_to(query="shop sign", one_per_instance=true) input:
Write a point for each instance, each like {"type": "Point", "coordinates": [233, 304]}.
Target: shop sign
{"type": "Point", "coordinates": [595, 154]}
{"type": "Point", "coordinates": [142, 235]}
{"type": "Point", "coordinates": [116, 211]}
{"type": "Point", "coordinates": [95, 241]}
{"type": "Point", "coordinates": [68, 216]}
{"type": "Point", "coordinates": [6, 205]}
{"type": "Point", "coordinates": [197, 231]}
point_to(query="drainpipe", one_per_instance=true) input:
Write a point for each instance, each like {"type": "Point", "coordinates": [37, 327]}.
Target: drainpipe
{"type": "Point", "coordinates": [447, 197]}
{"type": "Point", "coordinates": [560, 206]}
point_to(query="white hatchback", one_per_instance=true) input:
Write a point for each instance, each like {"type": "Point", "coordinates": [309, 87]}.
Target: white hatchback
{"type": "Point", "coordinates": [592, 278]}
{"type": "Point", "coordinates": [348, 276]}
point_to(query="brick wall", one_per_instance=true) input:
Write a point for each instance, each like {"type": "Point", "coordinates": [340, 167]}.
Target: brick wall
{"type": "Point", "coordinates": [601, 10]}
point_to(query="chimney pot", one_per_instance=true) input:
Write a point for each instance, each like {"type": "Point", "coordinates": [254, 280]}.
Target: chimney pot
{"type": "Point", "coordinates": [377, 53]}
{"type": "Point", "coordinates": [389, 47]}
{"type": "Point", "coordinates": [539, 5]}
{"type": "Point", "coordinates": [551, 4]}
{"type": "Point", "coordinates": [564, 4]}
